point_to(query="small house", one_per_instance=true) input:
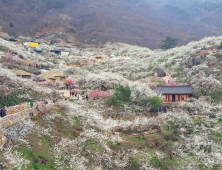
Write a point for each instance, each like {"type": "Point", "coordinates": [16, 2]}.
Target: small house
{"type": "Point", "coordinates": [13, 40]}
{"type": "Point", "coordinates": [175, 93]}
{"type": "Point", "coordinates": [53, 75]}
{"type": "Point", "coordinates": [38, 51]}
{"type": "Point", "coordinates": [22, 73]}
{"type": "Point", "coordinates": [63, 53]}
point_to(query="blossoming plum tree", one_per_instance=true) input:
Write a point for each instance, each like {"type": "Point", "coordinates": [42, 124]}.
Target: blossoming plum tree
{"type": "Point", "coordinates": [205, 84]}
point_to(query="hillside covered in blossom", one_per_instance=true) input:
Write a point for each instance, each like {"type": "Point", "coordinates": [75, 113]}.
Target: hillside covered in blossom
{"type": "Point", "coordinates": [119, 126]}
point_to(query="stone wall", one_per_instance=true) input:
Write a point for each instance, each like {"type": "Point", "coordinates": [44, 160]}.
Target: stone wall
{"type": "Point", "coordinates": [13, 119]}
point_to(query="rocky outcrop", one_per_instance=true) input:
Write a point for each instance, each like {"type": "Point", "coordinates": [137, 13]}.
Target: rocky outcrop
{"type": "Point", "coordinates": [196, 61]}
{"type": "Point", "coordinates": [159, 72]}
{"type": "Point", "coordinates": [18, 131]}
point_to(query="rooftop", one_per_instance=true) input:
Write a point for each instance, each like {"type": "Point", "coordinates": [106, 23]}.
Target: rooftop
{"type": "Point", "coordinates": [21, 73]}
{"type": "Point", "coordinates": [52, 74]}
{"type": "Point", "coordinates": [180, 89]}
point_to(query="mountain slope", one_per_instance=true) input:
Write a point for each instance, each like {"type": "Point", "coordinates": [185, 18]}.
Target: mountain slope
{"type": "Point", "coordinates": [144, 23]}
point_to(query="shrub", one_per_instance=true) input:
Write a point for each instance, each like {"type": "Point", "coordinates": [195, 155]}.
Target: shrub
{"type": "Point", "coordinates": [154, 161]}
{"type": "Point", "coordinates": [13, 99]}
{"type": "Point", "coordinates": [121, 96]}
{"type": "Point", "coordinates": [155, 102]}
{"type": "Point", "coordinates": [113, 101]}
{"type": "Point", "coordinates": [122, 93]}
{"type": "Point", "coordinates": [20, 56]}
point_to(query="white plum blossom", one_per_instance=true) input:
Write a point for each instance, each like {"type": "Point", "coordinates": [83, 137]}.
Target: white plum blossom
{"type": "Point", "coordinates": [205, 84]}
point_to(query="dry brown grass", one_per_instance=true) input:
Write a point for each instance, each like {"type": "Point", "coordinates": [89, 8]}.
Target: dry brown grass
{"type": "Point", "coordinates": [202, 55]}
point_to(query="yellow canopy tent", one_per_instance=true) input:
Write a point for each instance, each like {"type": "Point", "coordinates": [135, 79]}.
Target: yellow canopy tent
{"type": "Point", "coordinates": [33, 44]}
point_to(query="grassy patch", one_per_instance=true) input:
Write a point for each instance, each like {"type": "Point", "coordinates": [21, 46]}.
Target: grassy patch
{"type": "Point", "coordinates": [217, 136]}
{"type": "Point", "coordinates": [61, 112]}
{"type": "Point", "coordinates": [134, 164]}
{"type": "Point", "coordinates": [160, 83]}
{"type": "Point", "coordinates": [196, 120]}
{"type": "Point", "coordinates": [76, 119]}
{"type": "Point", "coordinates": [95, 148]}
{"type": "Point", "coordinates": [162, 61]}
{"type": "Point", "coordinates": [40, 154]}
{"type": "Point", "coordinates": [139, 139]}
{"type": "Point", "coordinates": [155, 162]}
{"type": "Point", "coordinates": [132, 142]}
{"type": "Point", "coordinates": [34, 118]}
{"type": "Point", "coordinates": [114, 145]}
{"type": "Point", "coordinates": [63, 128]}
{"type": "Point", "coordinates": [72, 100]}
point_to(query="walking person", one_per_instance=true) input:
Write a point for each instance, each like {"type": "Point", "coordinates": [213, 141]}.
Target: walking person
{"type": "Point", "coordinates": [72, 93]}
{"type": "Point", "coordinates": [164, 109]}
{"type": "Point", "coordinates": [3, 112]}
{"type": "Point", "coordinates": [87, 97]}
{"type": "Point", "coordinates": [67, 87]}
{"type": "Point", "coordinates": [31, 104]}
{"type": "Point", "coordinates": [45, 103]}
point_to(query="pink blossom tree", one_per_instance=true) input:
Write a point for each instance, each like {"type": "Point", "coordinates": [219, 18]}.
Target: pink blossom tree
{"type": "Point", "coordinates": [3, 87]}
{"type": "Point", "coordinates": [70, 82]}
{"type": "Point", "coordinates": [152, 86]}
{"type": "Point", "coordinates": [100, 93]}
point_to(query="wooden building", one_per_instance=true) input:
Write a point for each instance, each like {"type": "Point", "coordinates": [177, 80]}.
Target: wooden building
{"type": "Point", "coordinates": [175, 93]}
{"type": "Point", "coordinates": [53, 75]}
{"type": "Point", "coordinates": [22, 73]}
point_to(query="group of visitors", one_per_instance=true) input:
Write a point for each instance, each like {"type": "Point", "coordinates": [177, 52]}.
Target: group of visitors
{"type": "Point", "coordinates": [34, 65]}
{"type": "Point", "coordinates": [163, 109]}
{"type": "Point", "coordinates": [73, 93]}
{"type": "Point", "coordinates": [3, 112]}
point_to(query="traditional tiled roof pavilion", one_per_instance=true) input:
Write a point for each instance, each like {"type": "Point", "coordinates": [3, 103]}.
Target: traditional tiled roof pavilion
{"type": "Point", "coordinates": [175, 93]}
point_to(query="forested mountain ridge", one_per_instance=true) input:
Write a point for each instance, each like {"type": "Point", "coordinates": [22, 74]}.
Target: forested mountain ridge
{"type": "Point", "coordinates": [143, 23]}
